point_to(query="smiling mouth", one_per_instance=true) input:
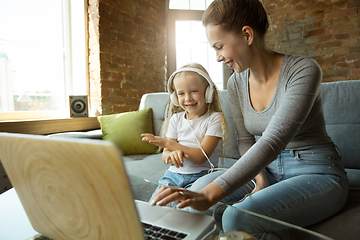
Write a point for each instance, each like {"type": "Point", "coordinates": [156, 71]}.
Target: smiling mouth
{"type": "Point", "coordinates": [191, 105]}
{"type": "Point", "coordinates": [230, 63]}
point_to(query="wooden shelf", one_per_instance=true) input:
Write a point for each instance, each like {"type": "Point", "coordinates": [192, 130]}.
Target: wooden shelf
{"type": "Point", "coordinates": [48, 126]}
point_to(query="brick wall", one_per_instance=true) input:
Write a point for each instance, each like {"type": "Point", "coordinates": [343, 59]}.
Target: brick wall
{"type": "Point", "coordinates": [127, 44]}
{"type": "Point", "coordinates": [327, 30]}
{"type": "Point", "coordinates": [127, 53]}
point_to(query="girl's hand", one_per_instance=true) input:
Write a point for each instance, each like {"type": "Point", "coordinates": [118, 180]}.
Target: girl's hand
{"type": "Point", "coordinates": [176, 157]}
{"type": "Point", "coordinates": [157, 141]}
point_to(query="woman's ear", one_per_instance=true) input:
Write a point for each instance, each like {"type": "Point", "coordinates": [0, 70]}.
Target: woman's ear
{"type": "Point", "coordinates": [249, 34]}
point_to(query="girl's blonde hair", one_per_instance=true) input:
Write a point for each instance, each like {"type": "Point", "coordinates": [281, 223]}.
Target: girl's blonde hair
{"type": "Point", "coordinates": [215, 106]}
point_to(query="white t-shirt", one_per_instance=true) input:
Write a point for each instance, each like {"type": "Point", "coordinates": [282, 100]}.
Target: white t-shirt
{"type": "Point", "coordinates": [179, 129]}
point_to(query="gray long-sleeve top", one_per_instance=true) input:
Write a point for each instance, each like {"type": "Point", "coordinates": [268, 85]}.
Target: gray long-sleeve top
{"type": "Point", "coordinates": [293, 120]}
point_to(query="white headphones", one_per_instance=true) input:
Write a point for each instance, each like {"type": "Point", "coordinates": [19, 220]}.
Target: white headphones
{"type": "Point", "coordinates": [209, 92]}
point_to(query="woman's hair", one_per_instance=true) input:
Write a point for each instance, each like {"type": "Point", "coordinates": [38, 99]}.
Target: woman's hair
{"type": "Point", "coordinates": [215, 105]}
{"type": "Point", "coordinates": [233, 15]}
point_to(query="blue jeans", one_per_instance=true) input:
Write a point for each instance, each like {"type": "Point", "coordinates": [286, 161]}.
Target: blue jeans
{"type": "Point", "coordinates": [179, 180]}
{"type": "Point", "coordinates": [306, 186]}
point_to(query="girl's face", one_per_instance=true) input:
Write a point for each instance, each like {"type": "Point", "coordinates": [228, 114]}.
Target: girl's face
{"type": "Point", "coordinates": [232, 49]}
{"type": "Point", "coordinates": [190, 90]}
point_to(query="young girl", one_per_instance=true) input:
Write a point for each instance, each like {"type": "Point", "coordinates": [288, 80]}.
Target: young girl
{"type": "Point", "coordinates": [196, 126]}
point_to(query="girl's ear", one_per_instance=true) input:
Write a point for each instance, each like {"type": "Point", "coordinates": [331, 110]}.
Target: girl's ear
{"type": "Point", "coordinates": [249, 34]}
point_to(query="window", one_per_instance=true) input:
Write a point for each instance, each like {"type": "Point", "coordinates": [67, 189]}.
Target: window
{"type": "Point", "coordinates": [187, 40]}
{"type": "Point", "coordinates": [42, 57]}
{"type": "Point", "coordinates": [189, 4]}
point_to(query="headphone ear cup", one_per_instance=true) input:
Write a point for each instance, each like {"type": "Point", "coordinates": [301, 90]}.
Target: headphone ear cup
{"type": "Point", "coordinates": [209, 92]}
{"type": "Point", "coordinates": [173, 99]}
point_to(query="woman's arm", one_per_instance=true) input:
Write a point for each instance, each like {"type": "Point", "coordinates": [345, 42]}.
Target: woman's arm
{"type": "Point", "coordinates": [301, 86]}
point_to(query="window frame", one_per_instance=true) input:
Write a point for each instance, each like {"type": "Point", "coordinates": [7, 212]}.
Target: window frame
{"type": "Point", "coordinates": [173, 16]}
{"type": "Point", "coordinates": [185, 15]}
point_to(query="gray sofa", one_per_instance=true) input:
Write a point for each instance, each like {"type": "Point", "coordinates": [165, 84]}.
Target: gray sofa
{"type": "Point", "coordinates": [342, 116]}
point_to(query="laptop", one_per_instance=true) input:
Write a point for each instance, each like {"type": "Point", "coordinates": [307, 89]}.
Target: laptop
{"type": "Point", "coordinates": [79, 189]}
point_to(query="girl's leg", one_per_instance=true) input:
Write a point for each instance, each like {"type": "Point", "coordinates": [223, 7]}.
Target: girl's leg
{"type": "Point", "coordinates": [176, 179]}
{"type": "Point", "coordinates": [209, 178]}
{"type": "Point", "coordinates": [218, 209]}
{"type": "Point", "coordinates": [189, 179]}
{"type": "Point", "coordinates": [169, 179]}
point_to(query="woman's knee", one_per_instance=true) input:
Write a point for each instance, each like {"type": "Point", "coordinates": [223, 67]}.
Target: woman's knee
{"type": "Point", "coordinates": [248, 215]}
{"type": "Point", "coordinates": [234, 219]}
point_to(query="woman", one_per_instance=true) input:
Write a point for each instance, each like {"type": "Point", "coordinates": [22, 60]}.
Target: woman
{"type": "Point", "coordinates": [277, 98]}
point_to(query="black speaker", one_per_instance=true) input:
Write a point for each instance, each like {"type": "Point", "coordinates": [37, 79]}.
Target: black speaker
{"type": "Point", "coordinates": [78, 106]}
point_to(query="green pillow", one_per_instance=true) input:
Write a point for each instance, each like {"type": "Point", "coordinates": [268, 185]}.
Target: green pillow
{"type": "Point", "coordinates": [125, 129]}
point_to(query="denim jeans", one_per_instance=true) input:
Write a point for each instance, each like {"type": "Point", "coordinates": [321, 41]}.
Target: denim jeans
{"type": "Point", "coordinates": [179, 180]}
{"type": "Point", "coordinates": [306, 186]}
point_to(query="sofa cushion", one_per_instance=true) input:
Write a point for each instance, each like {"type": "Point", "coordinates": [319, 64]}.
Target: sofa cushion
{"type": "Point", "coordinates": [342, 117]}
{"type": "Point", "coordinates": [158, 102]}
{"type": "Point", "coordinates": [150, 168]}
{"type": "Point", "coordinates": [354, 177]}
{"type": "Point", "coordinates": [338, 226]}
{"type": "Point", "coordinates": [125, 130]}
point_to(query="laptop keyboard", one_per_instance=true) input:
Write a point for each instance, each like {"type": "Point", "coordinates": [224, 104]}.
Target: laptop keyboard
{"type": "Point", "coordinates": [154, 232]}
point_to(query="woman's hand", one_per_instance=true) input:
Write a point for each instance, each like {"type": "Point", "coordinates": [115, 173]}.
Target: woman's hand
{"type": "Point", "coordinates": [184, 198]}
{"type": "Point", "coordinates": [175, 157]}
{"type": "Point", "coordinates": [199, 200]}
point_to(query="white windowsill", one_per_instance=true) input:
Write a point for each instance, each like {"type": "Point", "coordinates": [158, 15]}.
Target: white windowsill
{"type": "Point", "coordinates": [27, 115]}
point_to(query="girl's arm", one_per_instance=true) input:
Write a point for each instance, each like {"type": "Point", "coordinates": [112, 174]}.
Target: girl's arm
{"type": "Point", "coordinates": [194, 154]}
{"type": "Point", "coordinates": [174, 157]}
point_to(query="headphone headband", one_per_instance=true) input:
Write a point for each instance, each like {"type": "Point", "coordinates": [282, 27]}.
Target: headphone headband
{"type": "Point", "coordinates": [190, 69]}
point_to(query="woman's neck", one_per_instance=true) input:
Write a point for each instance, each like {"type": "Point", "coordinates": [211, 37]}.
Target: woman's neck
{"type": "Point", "coordinates": [266, 63]}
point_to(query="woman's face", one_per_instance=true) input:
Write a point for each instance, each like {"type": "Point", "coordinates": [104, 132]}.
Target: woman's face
{"type": "Point", "coordinates": [232, 49]}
